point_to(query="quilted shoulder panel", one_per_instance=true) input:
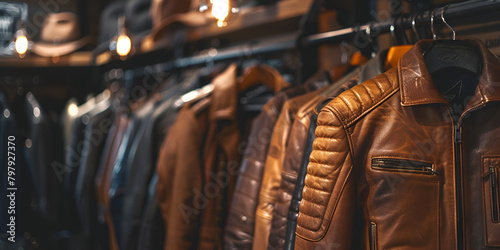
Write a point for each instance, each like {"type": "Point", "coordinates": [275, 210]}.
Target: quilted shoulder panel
{"type": "Point", "coordinates": [354, 103]}
{"type": "Point", "coordinates": [328, 169]}
{"type": "Point", "coordinates": [330, 162]}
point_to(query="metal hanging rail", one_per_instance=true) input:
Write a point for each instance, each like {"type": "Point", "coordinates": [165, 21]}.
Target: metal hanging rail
{"type": "Point", "coordinates": [453, 12]}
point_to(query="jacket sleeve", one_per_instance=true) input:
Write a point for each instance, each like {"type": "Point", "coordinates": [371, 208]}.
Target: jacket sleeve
{"type": "Point", "coordinates": [293, 157]}
{"type": "Point", "coordinates": [271, 179]}
{"type": "Point", "coordinates": [240, 222]}
{"type": "Point", "coordinates": [327, 209]}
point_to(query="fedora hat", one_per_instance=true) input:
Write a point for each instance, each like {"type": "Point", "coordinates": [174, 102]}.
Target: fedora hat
{"type": "Point", "coordinates": [60, 35]}
{"type": "Point", "coordinates": [168, 16]}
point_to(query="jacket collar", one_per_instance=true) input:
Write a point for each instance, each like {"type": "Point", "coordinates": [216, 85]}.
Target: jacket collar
{"type": "Point", "coordinates": [224, 98]}
{"type": "Point", "coordinates": [417, 86]}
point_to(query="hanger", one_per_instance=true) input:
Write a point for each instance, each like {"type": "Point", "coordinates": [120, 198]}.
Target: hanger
{"type": "Point", "coordinates": [446, 54]}
{"type": "Point", "coordinates": [261, 75]}
{"type": "Point", "coordinates": [357, 59]}
{"type": "Point", "coordinates": [397, 51]}
{"type": "Point", "coordinates": [205, 87]}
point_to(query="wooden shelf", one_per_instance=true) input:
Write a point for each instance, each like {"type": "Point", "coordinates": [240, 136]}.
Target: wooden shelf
{"type": "Point", "coordinates": [76, 59]}
{"type": "Point", "coordinates": [263, 15]}
{"type": "Point", "coordinates": [250, 23]}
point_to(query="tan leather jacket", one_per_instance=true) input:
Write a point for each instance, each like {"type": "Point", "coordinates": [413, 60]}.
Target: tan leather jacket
{"type": "Point", "coordinates": [197, 168]}
{"type": "Point", "coordinates": [383, 171]}
{"type": "Point", "coordinates": [241, 219]}
{"type": "Point", "coordinates": [272, 171]}
{"type": "Point", "coordinates": [297, 141]}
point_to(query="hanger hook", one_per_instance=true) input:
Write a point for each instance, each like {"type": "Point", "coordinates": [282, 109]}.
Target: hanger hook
{"type": "Point", "coordinates": [344, 57]}
{"type": "Point", "coordinates": [414, 26]}
{"type": "Point", "coordinates": [444, 21]}
{"type": "Point", "coordinates": [434, 36]}
{"type": "Point", "coordinates": [393, 31]}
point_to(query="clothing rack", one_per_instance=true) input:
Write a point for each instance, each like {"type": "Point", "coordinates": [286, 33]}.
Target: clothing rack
{"type": "Point", "coordinates": [373, 29]}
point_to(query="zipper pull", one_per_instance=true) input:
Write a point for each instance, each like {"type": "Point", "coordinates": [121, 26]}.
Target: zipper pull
{"type": "Point", "coordinates": [432, 171]}
{"type": "Point", "coordinates": [493, 177]}
{"type": "Point", "coordinates": [489, 173]}
{"type": "Point", "coordinates": [458, 133]}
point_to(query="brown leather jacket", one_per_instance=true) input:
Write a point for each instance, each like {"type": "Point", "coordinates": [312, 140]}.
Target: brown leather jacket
{"type": "Point", "coordinates": [240, 222]}
{"type": "Point", "coordinates": [241, 219]}
{"type": "Point", "coordinates": [297, 141]}
{"type": "Point", "coordinates": [272, 170]}
{"type": "Point", "coordinates": [197, 168]}
{"type": "Point", "coordinates": [383, 171]}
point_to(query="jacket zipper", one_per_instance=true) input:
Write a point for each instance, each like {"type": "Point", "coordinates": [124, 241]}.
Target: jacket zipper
{"type": "Point", "coordinates": [458, 185]}
{"type": "Point", "coordinates": [404, 166]}
{"type": "Point", "coordinates": [458, 174]}
{"type": "Point", "coordinates": [494, 194]}
{"type": "Point", "coordinates": [372, 236]}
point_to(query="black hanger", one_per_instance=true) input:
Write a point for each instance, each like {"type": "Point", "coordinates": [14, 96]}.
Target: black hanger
{"type": "Point", "coordinates": [446, 54]}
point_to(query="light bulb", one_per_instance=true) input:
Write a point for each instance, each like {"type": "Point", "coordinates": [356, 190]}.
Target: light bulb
{"type": "Point", "coordinates": [220, 10]}
{"type": "Point", "coordinates": [123, 45]}
{"type": "Point", "coordinates": [21, 45]}
{"type": "Point", "coordinates": [73, 109]}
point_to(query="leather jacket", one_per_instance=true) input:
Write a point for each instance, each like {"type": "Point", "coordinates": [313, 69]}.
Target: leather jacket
{"type": "Point", "coordinates": [272, 171]}
{"type": "Point", "coordinates": [296, 147]}
{"type": "Point", "coordinates": [142, 158]}
{"type": "Point", "coordinates": [197, 168]}
{"type": "Point", "coordinates": [393, 166]}
{"type": "Point", "coordinates": [95, 134]}
{"type": "Point", "coordinates": [241, 219]}
{"type": "Point", "coordinates": [103, 180]}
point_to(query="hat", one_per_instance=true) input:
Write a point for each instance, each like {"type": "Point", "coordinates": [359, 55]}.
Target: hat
{"type": "Point", "coordinates": [60, 35]}
{"type": "Point", "coordinates": [168, 15]}
{"type": "Point", "coordinates": [108, 25]}
{"type": "Point", "coordinates": [138, 18]}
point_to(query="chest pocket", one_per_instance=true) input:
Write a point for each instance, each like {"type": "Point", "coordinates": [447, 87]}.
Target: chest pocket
{"type": "Point", "coordinates": [402, 204]}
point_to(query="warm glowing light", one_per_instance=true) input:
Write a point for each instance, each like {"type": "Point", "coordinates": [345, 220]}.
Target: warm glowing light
{"type": "Point", "coordinates": [21, 45]}
{"type": "Point", "coordinates": [123, 45]}
{"type": "Point", "coordinates": [73, 109]}
{"type": "Point", "coordinates": [220, 10]}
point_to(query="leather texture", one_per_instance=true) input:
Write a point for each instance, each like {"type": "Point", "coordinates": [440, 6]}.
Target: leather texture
{"type": "Point", "coordinates": [297, 192]}
{"type": "Point", "coordinates": [271, 179]}
{"type": "Point", "coordinates": [194, 189]}
{"type": "Point", "coordinates": [296, 147]}
{"type": "Point", "coordinates": [241, 219]}
{"type": "Point", "coordinates": [293, 156]}
{"type": "Point", "coordinates": [401, 120]}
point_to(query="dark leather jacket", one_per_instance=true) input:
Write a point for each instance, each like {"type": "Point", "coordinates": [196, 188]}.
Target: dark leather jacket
{"type": "Point", "coordinates": [383, 171]}
{"type": "Point", "coordinates": [241, 219]}
{"type": "Point", "coordinates": [103, 180]}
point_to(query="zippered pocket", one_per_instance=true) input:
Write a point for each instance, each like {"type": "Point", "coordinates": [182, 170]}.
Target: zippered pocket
{"type": "Point", "coordinates": [404, 166]}
{"type": "Point", "coordinates": [491, 199]}
{"type": "Point", "coordinates": [372, 234]}
{"type": "Point", "coordinates": [492, 177]}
